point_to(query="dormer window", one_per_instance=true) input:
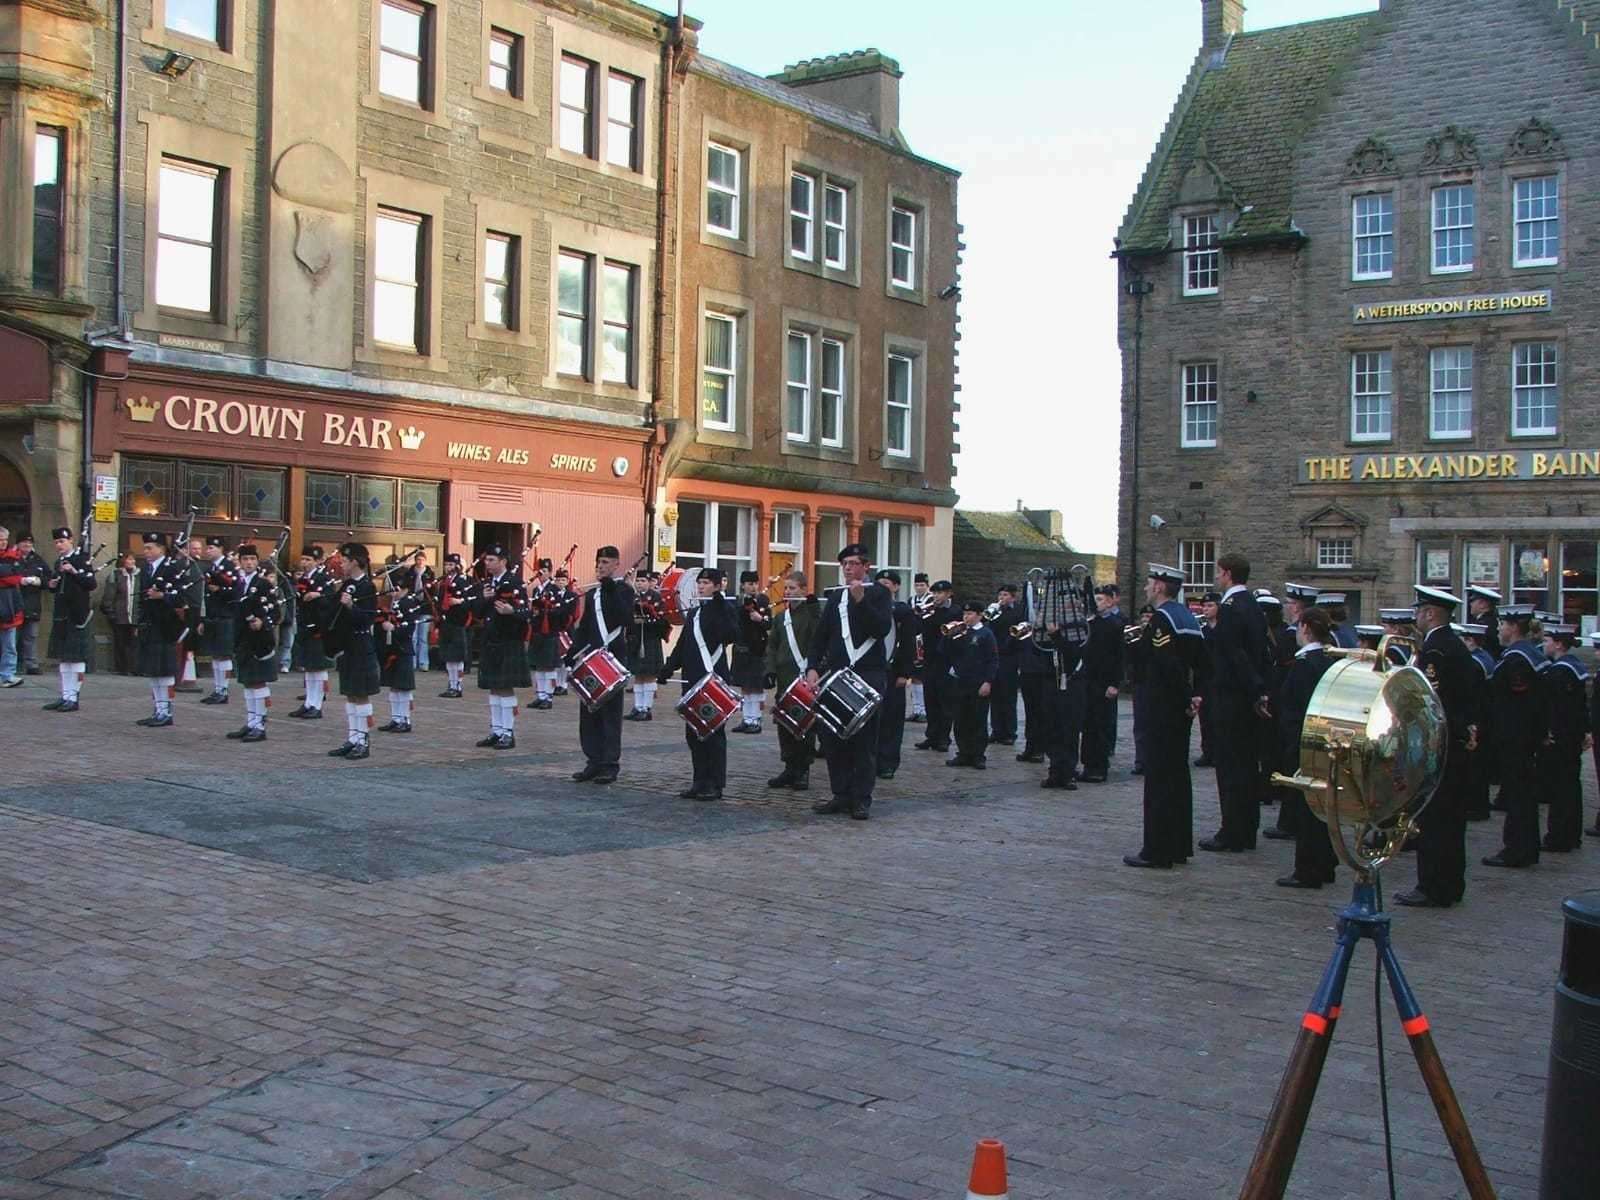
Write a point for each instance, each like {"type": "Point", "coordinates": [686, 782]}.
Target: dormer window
{"type": "Point", "coordinates": [1202, 259]}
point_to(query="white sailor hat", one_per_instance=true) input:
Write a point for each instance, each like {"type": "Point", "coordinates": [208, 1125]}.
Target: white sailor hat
{"type": "Point", "coordinates": [1477, 591]}
{"type": "Point", "coordinates": [1265, 597]}
{"type": "Point", "coordinates": [1469, 629]}
{"type": "Point", "coordinates": [1299, 591]}
{"type": "Point", "coordinates": [1546, 619]}
{"type": "Point", "coordinates": [1397, 616]}
{"type": "Point", "coordinates": [1168, 574]}
{"type": "Point", "coordinates": [1372, 631]}
{"type": "Point", "coordinates": [1327, 598]}
{"type": "Point", "coordinates": [1556, 629]}
{"type": "Point", "coordinates": [1516, 612]}
{"type": "Point", "coordinates": [1437, 597]}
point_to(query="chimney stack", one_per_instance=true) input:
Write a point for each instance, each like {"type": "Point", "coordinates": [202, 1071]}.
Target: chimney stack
{"type": "Point", "coordinates": [1219, 21]}
{"type": "Point", "coordinates": [864, 81]}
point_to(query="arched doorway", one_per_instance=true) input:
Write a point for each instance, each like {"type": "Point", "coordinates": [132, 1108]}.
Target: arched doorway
{"type": "Point", "coordinates": [16, 505]}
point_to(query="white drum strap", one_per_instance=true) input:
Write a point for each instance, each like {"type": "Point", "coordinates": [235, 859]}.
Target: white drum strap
{"type": "Point", "coordinates": [600, 621]}
{"type": "Point", "coordinates": [700, 641]}
{"type": "Point", "coordinates": [851, 650]}
{"type": "Point", "coordinates": [794, 645]}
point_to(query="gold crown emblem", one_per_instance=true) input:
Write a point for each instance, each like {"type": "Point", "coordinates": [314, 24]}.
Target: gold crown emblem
{"type": "Point", "coordinates": [142, 408]}
{"type": "Point", "coordinates": [411, 437]}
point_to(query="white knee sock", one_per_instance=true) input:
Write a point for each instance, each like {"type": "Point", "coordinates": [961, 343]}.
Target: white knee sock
{"type": "Point", "coordinates": [400, 706]}
{"type": "Point", "coordinates": [315, 682]}
{"type": "Point", "coordinates": [751, 702]}
{"type": "Point", "coordinates": [508, 714]}
{"type": "Point", "coordinates": [543, 684]}
{"type": "Point", "coordinates": [917, 709]}
{"type": "Point", "coordinates": [219, 673]}
{"type": "Point", "coordinates": [188, 670]}
{"type": "Point", "coordinates": [161, 690]}
{"type": "Point", "coordinates": [363, 720]}
{"type": "Point", "coordinates": [453, 672]}
{"type": "Point", "coordinates": [561, 676]}
{"type": "Point", "coordinates": [69, 676]}
{"type": "Point", "coordinates": [255, 707]}
{"type": "Point", "coordinates": [644, 695]}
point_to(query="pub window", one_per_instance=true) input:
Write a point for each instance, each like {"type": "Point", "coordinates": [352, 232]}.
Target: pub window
{"type": "Point", "coordinates": [891, 546]}
{"type": "Point", "coordinates": [327, 499]}
{"type": "Point", "coordinates": [500, 280]}
{"type": "Point", "coordinates": [719, 391]}
{"type": "Point", "coordinates": [623, 92]}
{"type": "Point", "coordinates": [1197, 559]}
{"type": "Point", "coordinates": [1534, 389]}
{"type": "Point", "coordinates": [375, 505]}
{"type": "Point", "coordinates": [1580, 589]}
{"type": "Point", "coordinates": [1371, 396]}
{"type": "Point", "coordinates": [1433, 563]}
{"type": "Point", "coordinates": [577, 105]}
{"type": "Point", "coordinates": [572, 314]}
{"type": "Point", "coordinates": [1201, 404]}
{"type": "Point", "coordinates": [403, 67]}
{"type": "Point", "coordinates": [711, 534]}
{"type": "Point", "coordinates": [201, 19]}
{"type": "Point", "coordinates": [260, 494]}
{"type": "Point", "coordinates": [49, 205]}
{"type": "Point", "coordinates": [831, 530]}
{"type": "Point", "coordinates": [722, 189]}
{"type": "Point", "coordinates": [1336, 553]}
{"type": "Point", "coordinates": [208, 489]}
{"type": "Point", "coordinates": [505, 62]}
{"type": "Point", "coordinates": [903, 246]}
{"type": "Point", "coordinates": [1372, 240]}
{"type": "Point", "coordinates": [397, 279]}
{"type": "Point", "coordinates": [1481, 566]}
{"type": "Point", "coordinates": [1530, 574]}
{"type": "Point", "coordinates": [187, 234]}
{"type": "Point", "coordinates": [147, 489]}
{"type": "Point", "coordinates": [1202, 260]}
{"type": "Point", "coordinates": [802, 216]}
{"type": "Point", "coordinates": [1450, 398]}
{"type": "Point", "coordinates": [1454, 215]}
{"type": "Point", "coordinates": [616, 332]}
{"type": "Point", "coordinates": [419, 505]}
{"type": "Point", "coordinates": [1538, 221]}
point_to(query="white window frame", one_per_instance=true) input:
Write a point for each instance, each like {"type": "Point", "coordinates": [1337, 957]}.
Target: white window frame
{"type": "Point", "coordinates": [1453, 220]}
{"type": "Point", "coordinates": [1189, 559]}
{"type": "Point", "coordinates": [591, 70]}
{"type": "Point", "coordinates": [1519, 222]}
{"type": "Point", "coordinates": [881, 528]}
{"type": "Point", "coordinates": [424, 15]}
{"type": "Point", "coordinates": [417, 284]}
{"type": "Point", "coordinates": [735, 206]}
{"type": "Point", "coordinates": [797, 388]}
{"type": "Point", "coordinates": [513, 249]}
{"type": "Point", "coordinates": [893, 403]}
{"type": "Point", "coordinates": [744, 555]}
{"type": "Point", "coordinates": [211, 241]}
{"type": "Point", "coordinates": [1450, 375]}
{"type": "Point", "coordinates": [793, 545]}
{"type": "Point", "coordinates": [831, 396]}
{"type": "Point", "coordinates": [1193, 400]}
{"type": "Point", "coordinates": [512, 43]}
{"type": "Point", "coordinates": [628, 324]}
{"type": "Point", "coordinates": [841, 227]}
{"type": "Point", "coordinates": [825, 572]}
{"type": "Point", "coordinates": [1550, 362]}
{"type": "Point", "coordinates": [1202, 254]}
{"type": "Point", "coordinates": [1371, 384]}
{"type": "Point", "coordinates": [1336, 553]}
{"type": "Point", "coordinates": [1362, 233]}
{"type": "Point", "coordinates": [803, 219]}
{"type": "Point", "coordinates": [623, 131]}
{"type": "Point", "coordinates": [730, 373]}
{"type": "Point", "coordinates": [907, 247]}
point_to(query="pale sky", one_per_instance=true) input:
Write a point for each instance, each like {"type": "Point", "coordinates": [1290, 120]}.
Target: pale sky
{"type": "Point", "coordinates": [1050, 109]}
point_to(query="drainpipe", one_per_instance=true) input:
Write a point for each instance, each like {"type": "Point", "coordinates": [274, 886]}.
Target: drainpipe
{"type": "Point", "coordinates": [671, 51]}
{"type": "Point", "coordinates": [1138, 287]}
{"type": "Point", "coordinates": [120, 150]}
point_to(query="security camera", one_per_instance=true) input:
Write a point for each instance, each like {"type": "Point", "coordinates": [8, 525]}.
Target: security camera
{"type": "Point", "coordinates": [950, 292]}
{"type": "Point", "coordinates": [1157, 521]}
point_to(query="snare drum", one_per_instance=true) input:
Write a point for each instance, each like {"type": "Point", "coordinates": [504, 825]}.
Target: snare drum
{"type": "Point", "coordinates": [845, 703]}
{"type": "Point", "coordinates": [563, 643]}
{"type": "Point", "coordinates": [797, 708]}
{"type": "Point", "coordinates": [596, 677]}
{"type": "Point", "coordinates": [708, 706]}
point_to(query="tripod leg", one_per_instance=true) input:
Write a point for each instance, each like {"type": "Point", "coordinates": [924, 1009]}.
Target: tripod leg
{"type": "Point", "coordinates": [1269, 1172]}
{"type": "Point", "coordinates": [1451, 1119]}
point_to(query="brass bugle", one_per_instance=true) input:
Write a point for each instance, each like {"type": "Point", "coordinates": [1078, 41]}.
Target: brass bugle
{"type": "Point", "coordinates": [1021, 630]}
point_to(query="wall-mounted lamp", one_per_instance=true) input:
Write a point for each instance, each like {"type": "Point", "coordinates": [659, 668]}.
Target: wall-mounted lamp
{"type": "Point", "coordinates": [176, 65]}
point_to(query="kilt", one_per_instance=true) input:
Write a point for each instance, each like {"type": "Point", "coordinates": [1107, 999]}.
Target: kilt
{"type": "Point", "coordinates": [748, 669]}
{"type": "Point", "coordinates": [503, 667]}
{"type": "Point", "coordinates": [358, 667]}
{"type": "Point", "coordinates": [544, 653]}
{"type": "Point", "coordinates": [399, 671]}
{"type": "Point", "coordinates": [217, 640]}
{"type": "Point", "coordinates": [69, 643]}
{"type": "Point", "coordinates": [251, 671]}
{"type": "Point", "coordinates": [452, 642]}
{"type": "Point", "coordinates": [645, 657]}
{"type": "Point", "coordinates": [158, 657]}
{"type": "Point", "coordinates": [306, 653]}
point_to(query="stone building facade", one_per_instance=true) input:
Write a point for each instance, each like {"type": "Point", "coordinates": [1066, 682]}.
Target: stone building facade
{"type": "Point", "coordinates": [992, 548]}
{"type": "Point", "coordinates": [1356, 316]}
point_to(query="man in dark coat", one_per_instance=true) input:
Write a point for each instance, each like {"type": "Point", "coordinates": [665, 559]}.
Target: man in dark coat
{"type": "Point", "coordinates": [1168, 655]}
{"type": "Point", "coordinates": [1475, 638]}
{"type": "Point", "coordinates": [1483, 608]}
{"type": "Point", "coordinates": [974, 658]}
{"type": "Point", "coordinates": [503, 611]}
{"type": "Point", "coordinates": [900, 647]}
{"type": "Point", "coordinates": [1102, 682]}
{"type": "Point", "coordinates": [1314, 859]}
{"type": "Point", "coordinates": [118, 602]}
{"type": "Point", "coordinates": [316, 591]}
{"type": "Point", "coordinates": [1283, 643]}
{"type": "Point", "coordinates": [1003, 699]}
{"type": "Point", "coordinates": [1563, 680]}
{"type": "Point", "coordinates": [750, 652]}
{"type": "Point", "coordinates": [1442, 842]}
{"type": "Point", "coordinates": [858, 618]}
{"type": "Point", "coordinates": [936, 667]}
{"type": "Point", "coordinates": [397, 653]}
{"type": "Point", "coordinates": [703, 648]}
{"type": "Point", "coordinates": [350, 639]}
{"type": "Point", "coordinates": [787, 660]}
{"type": "Point", "coordinates": [71, 642]}
{"type": "Point", "coordinates": [258, 613]}
{"type": "Point", "coordinates": [455, 597]}
{"type": "Point", "coordinates": [1517, 723]}
{"type": "Point", "coordinates": [163, 614]}
{"type": "Point", "coordinates": [916, 692]}
{"type": "Point", "coordinates": [34, 566]}
{"type": "Point", "coordinates": [1239, 692]}
{"type": "Point", "coordinates": [606, 618]}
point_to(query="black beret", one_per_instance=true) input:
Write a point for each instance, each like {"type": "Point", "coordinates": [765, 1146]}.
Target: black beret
{"type": "Point", "coordinates": [1008, 587]}
{"type": "Point", "coordinates": [749, 577]}
{"type": "Point", "coordinates": [853, 550]}
{"type": "Point", "coordinates": [221, 543]}
{"type": "Point", "coordinates": [889, 576]}
{"type": "Point", "coordinates": [972, 606]}
{"type": "Point", "coordinates": [920, 577]}
{"type": "Point", "coordinates": [494, 549]}
{"type": "Point", "coordinates": [711, 573]}
{"type": "Point", "coordinates": [356, 552]}
{"type": "Point", "coordinates": [59, 533]}
{"type": "Point", "coordinates": [1107, 589]}
{"type": "Point", "coordinates": [943, 585]}
{"type": "Point", "coordinates": [544, 564]}
{"type": "Point", "coordinates": [155, 538]}
{"type": "Point", "coordinates": [312, 552]}
{"type": "Point", "coordinates": [608, 552]}
{"type": "Point", "coordinates": [1211, 598]}
{"type": "Point", "coordinates": [453, 558]}
{"type": "Point", "coordinates": [25, 536]}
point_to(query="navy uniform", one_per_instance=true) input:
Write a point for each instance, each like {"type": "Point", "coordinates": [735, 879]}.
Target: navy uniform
{"type": "Point", "coordinates": [1036, 679]}
{"type": "Point", "coordinates": [1594, 733]}
{"type": "Point", "coordinates": [900, 650]}
{"type": "Point", "coordinates": [316, 590]}
{"type": "Point", "coordinates": [1517, 723]}
{"type": "Point", "coordinates": [161, 615]}
{"type": "Point", "coordinates": [750, 651]}
{"type": "Point", "coordinates": [397, 655]}
{"type": "Point", "coordinates": [1169, 653]}
{"type": "Point", "coordinates": [936, 668]}
{"type": "Point", "coordinates": [1003, 699]}
{"type": "Point", "coordinates": [1344, 634]}
{"type": "Point", "coordinates": [1442, 842]}
{"type": "Point", "coordinates": [349, 638]}
{"type": "Point", "coordinates": [703, 648]}
{"type": "Point", "coordinates": [257, 613]}
{"type": "Point", "coordinates": [1208, 671]}
{"type": "Point", "coordinates": [1475, 636]}
{"type": "Point", "coordinates": [1282, 646]}
{"type": "Point", "coordinates": [1563, 681]}
{"type": "Point", "coordinates": [1314, 859]}
{"type": "Point", "coordinates": [646, 644]}
{"type": "Point", "coordinates": [1132, 635]}
{"type": "Point", "coordinates": [503, 660]}
{"type": "Point", "coordinates": [71, 641]}
{"type": "Point", "coordinates": [974, 659]}
{"type": "Point", "coordinates": [851, 634]}
{"type": "Point", "coordinates": [607, 616]}
{"type": "Point", "coordinates": [1102, 678]}
{"type": "Point", "coordinates": [455, 595]}
{"type": "Point", "coordinates": [219, 613]}
{"type": "Point", "coordinates": [1064, 698]}
{"type": "Point", "coordinates": [916, 693]}
{"type": "Point", "coordinates": [1239, 658]}
{"type": "Point", "coordinates": [787, 660]}
{"type": "Point", "coordinates": [1483, 608]}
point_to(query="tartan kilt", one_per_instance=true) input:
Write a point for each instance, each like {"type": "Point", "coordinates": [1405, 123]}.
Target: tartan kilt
{"type": "Point", "coordinates": [452, 642]}
{"type": "Point", "coordinates": [503, 667]}
{"type": "Point", "coordinates": [250, 671]}
{"type": "Point", "coordinates": [217, 640]}
{"type": "Point", "coordinates": [645, 657]}
{"type": "Point", "coordinates": [399, 671]}
{"type": "Point", "coordinates": [358, 668]}
{"type": "Point", "coordinates": [306, 654]}
{"type": "Point", "coordinates": [69, 643]}
{"type": "Point", "coordinates": [544, 652]}
{"type": "Point", "coordinates": [158, 657]}
{"type": "Point", "coordinates": [748, 669]}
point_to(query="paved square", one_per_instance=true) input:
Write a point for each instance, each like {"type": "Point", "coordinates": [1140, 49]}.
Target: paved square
{"type": "Point", "coordinates": [253, 971]}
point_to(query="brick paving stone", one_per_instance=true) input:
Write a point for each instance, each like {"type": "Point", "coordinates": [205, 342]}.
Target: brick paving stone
{"type": "Point", "coordinates": [498, 983]}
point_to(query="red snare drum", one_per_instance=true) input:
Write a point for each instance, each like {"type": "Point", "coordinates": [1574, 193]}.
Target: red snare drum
{"type": "Point", "coordinates": [670, 595]}
{"type": "Point", "coordinates": [797, 708]}
{"type": "Point", "coordinates": [596, 677]}
{"type": "Point", "coordinates": [708, 706]}
{"type": "Point", "coordinates": [564, 643]}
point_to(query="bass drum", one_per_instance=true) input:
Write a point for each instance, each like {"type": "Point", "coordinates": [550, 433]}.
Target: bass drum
{"type": "Point", "coordinates": [680, 591]}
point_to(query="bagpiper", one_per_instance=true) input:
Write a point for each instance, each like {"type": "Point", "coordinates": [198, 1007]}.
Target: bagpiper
{"type": "Point", "coordinates": [71, 643]}
{"type": "Point", "coordinates": [750, 651]}
{"type": "Point", "coordinates": [161, 614]}
{"type": "Point", "coordinates": [397, 655]}
{"type": "Point", "coordinates": [348, 637]}
{"type": "Point", "coordinates": [647, 637]}
{"type": "Point", "coordinates": [455, 598]}
{"type": "Point", "coordinates": [317, 590]}
{"type": "Point", "coordinates": [218, 613]}
{"type": "Point", "coordinates": [257, 612]}
{"type": "Point", "coordinates": [502, 610]}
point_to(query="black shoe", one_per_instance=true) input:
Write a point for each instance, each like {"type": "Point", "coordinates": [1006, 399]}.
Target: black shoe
{"type": "Point", "coordinates": [33, 671]}
{"type": "Point", "coordinates": [709, 794]}
{"type": "Point", "coordinates": [532, 705]}
{"type": "Point", "coordinates": [560, 691]}
{"type": "Point", "coordinates": [782, 779]}
{"type": "Point", "coordinates": [341, 751]}
{"type": "Point", "coordinates": [1294, 881]}
{"type": "Point", "coordinates": [211, 698]}
{"type": "Point", "coordinates": [68, 706]}
{"type": "Point", "coordinates": [1277, 835]}
{"type": "Point", "coordinates": [1006, 741]}
{"type": "Point", "coordinates": [311, 714]}
{"type": "Point", "coordinates": [1503, 860]}
{"type": "Point", "coordinates": [925, 744]}
{"type": "Point", "coordinates": [832, 805]}
{"type": "Point", "coordinates": [690, 792]}
{"type": "Point", "coordinates": [980, 764]}
{"type": "Point", "coordinates": [583, 776]}
{"type": "Point", "coordinates": [1091, 778]}
{"type": "Point", "coordinates": [917, 719]}
{"type": "Point", "coordinates": [1217, 846]}
{"type": "Point", "coordinates": [647, 716]}
{"type": "Point", "coordinates": [487, 743]}
{"type": "Point", "coordinates": [299, 712]}
{"type": "Point", "coordinates": [958, 761]}
{"type": "Point", "coordinates": [802, 783]}
{"type": "Point", "coordinates": [506, 741]}
{"type": "Point", "coordinates": [633, 716]}
{"type": "Point", "coordinates": [860, 812]}
{"type": "Point", "coordinates": [361, 750]}
{"type": "Point", "coordinates": [1138, 769]}
{"type": "Point", "coordinates": [450, 694]}
{"type": "Point", "coordinates": [237, 735]}
{"type": "Point", "coordinates": [14, 681]}
{"type": "Point", "coordinates": [255, 735]}
{"type": "Point", "coordinates": [605, 777]}
{"type": "Point", "coordinates": [545, 704]}
{"type": "Point", "coordinates": [1416, 899]}
{"type": "Point", "coordinates": [1554, 847]}
{"type": "Point", "coordinates": [1202, 761]}
{"type": "Point", "coordinates": [53, 706]}
{"type": "Point", "coordinates": [885, 774]}
{"type": "Point", "coordinates": [1030, 756]}
{"type": "Point", "coordinates": [392, 727]}
{"type": "Point", "coordinates": [1058, 783]}
{"type": "Point", "coordinates": [1139, 860]}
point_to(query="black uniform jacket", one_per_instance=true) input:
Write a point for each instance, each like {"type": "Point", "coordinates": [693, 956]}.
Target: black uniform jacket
{"type": "Point", "coordinates": [870, 618]}
{"type": "Point", "coordinates": [717, 618]}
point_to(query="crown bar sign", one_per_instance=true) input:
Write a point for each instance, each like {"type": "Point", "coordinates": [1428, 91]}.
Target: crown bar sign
{"type": "Point", "coordinates": [411, 437]}
{"type": "Point", "coordinates": [142, 409]}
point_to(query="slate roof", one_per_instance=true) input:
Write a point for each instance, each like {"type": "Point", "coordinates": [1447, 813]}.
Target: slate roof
{"type": "Point", "coordinates": [1243, 112]}
{"type": "Point", "coordinates": [1012, 528]}
{"type": "Point", "coordinates": [1583, 15]}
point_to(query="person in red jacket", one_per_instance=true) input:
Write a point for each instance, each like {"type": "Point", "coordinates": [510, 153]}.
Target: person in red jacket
{"type": "Point", "coordinates": [12, 580]}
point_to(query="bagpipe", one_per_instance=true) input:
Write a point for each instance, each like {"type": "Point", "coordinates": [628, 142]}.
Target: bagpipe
{"type": "Point", "coordinates": [398, 613]}
{"type": "Point", "coordinates": [454, 597]}
{"type": "Point", "coordinates": [259, 603]}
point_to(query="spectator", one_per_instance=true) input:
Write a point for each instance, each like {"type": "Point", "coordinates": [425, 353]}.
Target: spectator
{"type": "Point", "coordinates": [34, 567]}
{"type": "Point", "coordinates": [11, 580]}
{"type": "Point", "coordinates": [118, 602]}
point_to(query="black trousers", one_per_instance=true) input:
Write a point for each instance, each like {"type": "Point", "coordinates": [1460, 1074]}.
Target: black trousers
{"type": "Point", "coordinates": [1168, 793]}
{"type": "Point", "coordinates": [972, 711]}
{"type": "Point", "coordinates": [1141, 702]}
{"type": "Point", "coordinates": [941, 713]}
{"type": "Point", "coordinates": [1233, 750]}
{"type": "Point", "coordinates": [1035, 687]}
{"type": "Point", "coordinates": [1442, 841]}
{"type": "Point", "coordinates": [1478, 784]}
{"type": "Point", "coordinates": [1561, 786]}
{"type": "Point", "coordinates": [797, 753]}
{"type": "Point", "coordinates": [1519, 792]}
{"type": "Point", "coordinates": [710, 757]}
{"type": "Point", "coordinates": [1314, 859]}
{"type": "Point", "coordinates": [600, 732]}
{"type": "Point", "coordinates": [1064, 721]}
{"type": "Point", "coordinates": [1003, 702]}
{"type": "Point", "coordinates": [853, 762]}
{"type": "Point", "coordinates": [1099, 727]}
{"type": "Point", "coordinates": [891, 727]}
{"type": "Point", "coordinates": [125, 649]}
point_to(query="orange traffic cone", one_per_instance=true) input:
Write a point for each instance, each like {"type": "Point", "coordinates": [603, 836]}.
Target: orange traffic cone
{"type": "Point", "coordinates": [988, 1180]}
